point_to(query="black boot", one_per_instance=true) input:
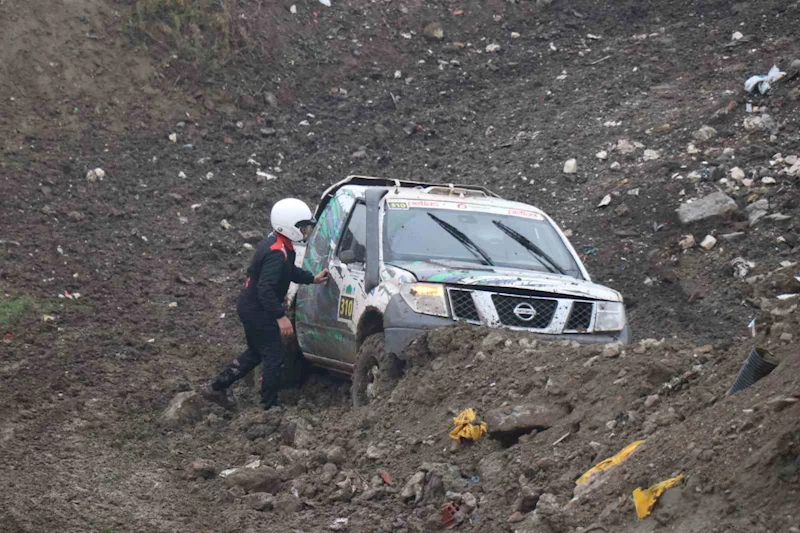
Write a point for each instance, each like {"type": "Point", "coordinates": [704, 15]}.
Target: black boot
{"type": "Point", "coordinates": [219, 397]}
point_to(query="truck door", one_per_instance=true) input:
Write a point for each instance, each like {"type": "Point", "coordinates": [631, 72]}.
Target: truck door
{"type": "Point", "coordinates": [327, 314]}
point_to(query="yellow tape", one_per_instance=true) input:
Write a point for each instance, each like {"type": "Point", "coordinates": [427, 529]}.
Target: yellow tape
{"type": "Point", "coordinates": [611, 461]}
{"type": "Point", "coordinates": [646, 499]}
{"type": "Point", "coordinates": [465, 429]}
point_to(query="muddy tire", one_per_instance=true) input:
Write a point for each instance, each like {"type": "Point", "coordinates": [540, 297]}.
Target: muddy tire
{"type": "Point", "coordinates": [376, 372]}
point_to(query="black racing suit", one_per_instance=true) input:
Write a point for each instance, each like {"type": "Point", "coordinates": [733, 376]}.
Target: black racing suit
{"type": "Point", "coordinates": [260, 306]}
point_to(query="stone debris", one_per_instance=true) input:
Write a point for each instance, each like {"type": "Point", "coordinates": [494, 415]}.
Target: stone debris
{"type": "Point", "coordinates": [713, 205]}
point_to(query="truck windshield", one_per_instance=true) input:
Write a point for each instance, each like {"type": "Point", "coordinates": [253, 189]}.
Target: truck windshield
{"type": "Point", "coordinates": [494, 238]}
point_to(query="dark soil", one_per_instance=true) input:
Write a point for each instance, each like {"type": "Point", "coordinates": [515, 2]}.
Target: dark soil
{"type": "Point", "coordinates": [84, 379]}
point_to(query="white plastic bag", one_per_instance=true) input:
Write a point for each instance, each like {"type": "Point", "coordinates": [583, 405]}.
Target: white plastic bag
{"type": "Point", "coordinates": [764, 82]}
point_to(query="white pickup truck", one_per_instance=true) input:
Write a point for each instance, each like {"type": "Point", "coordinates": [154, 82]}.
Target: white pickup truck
{"type": "Point", "coordinates": [405, 257]}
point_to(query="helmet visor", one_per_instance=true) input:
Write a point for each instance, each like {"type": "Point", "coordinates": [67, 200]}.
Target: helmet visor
{"type": "Point", "coordinates": [306, 227]}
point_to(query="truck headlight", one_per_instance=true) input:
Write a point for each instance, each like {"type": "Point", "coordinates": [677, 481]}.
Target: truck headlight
{"type": "Point", "coordinates": [610, 316]}
{"type": "Point", "coordinates": [425, 298]}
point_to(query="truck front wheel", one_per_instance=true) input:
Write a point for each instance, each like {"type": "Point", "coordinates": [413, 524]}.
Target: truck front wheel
{"type": "Point", "coordinates": [376, 372]}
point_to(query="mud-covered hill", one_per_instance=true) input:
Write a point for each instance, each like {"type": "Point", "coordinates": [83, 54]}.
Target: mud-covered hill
{"type": "Point", "coordinates": [116, 292]}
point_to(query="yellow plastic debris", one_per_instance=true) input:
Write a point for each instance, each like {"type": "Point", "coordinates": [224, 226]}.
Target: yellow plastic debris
{"type": "Point", "coordinates": [646, 499]}
{"type": "Point", "coordinates": [466, 428]}
{"type": "Point", "coordinates": [611, 461]}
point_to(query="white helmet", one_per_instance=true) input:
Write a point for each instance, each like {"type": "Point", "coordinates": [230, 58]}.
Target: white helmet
{"type": "Point", "coordinates": [288, 217]}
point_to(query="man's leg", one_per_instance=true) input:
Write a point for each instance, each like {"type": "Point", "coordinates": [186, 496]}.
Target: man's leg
{"type": "Point", "coordinates": [237, 369]}
{"type": "Point", "coordinates": [217, 390]}
{"type": "Point", "coordinates": [270, 346]}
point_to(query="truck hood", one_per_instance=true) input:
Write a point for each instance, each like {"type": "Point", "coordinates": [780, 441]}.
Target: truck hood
{"type": "Point", "coordinates": [504, 277]}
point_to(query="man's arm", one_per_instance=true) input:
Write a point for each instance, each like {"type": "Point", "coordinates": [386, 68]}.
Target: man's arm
{"type": "Point", "coordinates": [271, 268]}
{"type": "Point", "coordinates": [302, 277]}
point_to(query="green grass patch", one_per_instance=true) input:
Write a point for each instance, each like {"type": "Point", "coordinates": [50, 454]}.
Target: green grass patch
{"type": "Point", "coordinates": [201, 31]}
{"type": "Point", "coordinates": [11, 309]}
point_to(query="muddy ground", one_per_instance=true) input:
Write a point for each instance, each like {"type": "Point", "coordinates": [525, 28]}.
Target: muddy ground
{"type": "Point", "coordinates": [117, 293]}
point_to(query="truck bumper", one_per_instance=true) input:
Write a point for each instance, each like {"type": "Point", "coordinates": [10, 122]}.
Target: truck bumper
{"type": "Point", "coordinates": [402, 325]}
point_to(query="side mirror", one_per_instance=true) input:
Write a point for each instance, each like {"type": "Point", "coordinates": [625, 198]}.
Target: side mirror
{"type": "Point", "coordinates": [347, 257]}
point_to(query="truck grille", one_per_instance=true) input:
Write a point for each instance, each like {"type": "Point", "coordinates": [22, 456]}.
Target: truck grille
{"type": "Point", "coordinates": [537, 312]}
{"type": "Point", "coordinates": [580, 317]}
{"type": "Point", "coordinates": [519, 312]}
{"type": "Point", "coordinates": [463, 306]}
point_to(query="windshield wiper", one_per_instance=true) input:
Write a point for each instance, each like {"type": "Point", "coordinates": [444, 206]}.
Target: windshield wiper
{"type": "Point", "coordinates": [532, 248]}
{"type": "Point", "coordinates": [463, 239]}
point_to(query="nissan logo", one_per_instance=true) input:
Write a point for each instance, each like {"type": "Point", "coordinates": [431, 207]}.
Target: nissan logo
{"type": "Point", "coordinates": [525, 312]}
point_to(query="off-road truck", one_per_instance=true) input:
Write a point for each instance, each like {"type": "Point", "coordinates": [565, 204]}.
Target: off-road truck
{"type": "Point", "coordinates": [405, 257]}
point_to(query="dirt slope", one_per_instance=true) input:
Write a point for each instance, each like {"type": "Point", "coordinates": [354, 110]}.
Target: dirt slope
{"type": "Point", "coordinates": [100, 84]}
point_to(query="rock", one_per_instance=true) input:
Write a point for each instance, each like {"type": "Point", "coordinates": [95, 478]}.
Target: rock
{"type": "Point", "coordinates": [202, 468]}
{"type": "Point", "coordinates": [492, 465]}
{"type": "Point", "coordinates": [651, 401]}
{"type": "Point", "coordinates": [329, 471]}
{"type": "Point", "coordinates": [95, 175]}
{"type": "Point", "coordinates": [184, 408]}
{"type": "Point", "coordinates": [706, 133]}
{"type": "Point", "coordinates": [612, 350]}
{"type": "Point", "coordinates": [297, 432]}
{"type": "Point", "coordinates": [602, 155]}
{"type": "Point", "coordinates": [737, 36]}
{"type": "Point", "coordinates": [762, 123]}
{"type": "Point", "coordinates": [622, 211]}
{"type": "Point", "coordinates": [225, 224]}
{"type": "Point", "coordinates": [259, 501]}
{"type": "Point", "coordinates": [269, 132]}
{"type": "Point", "coordinates": [767, 180]}
{"type": "Point", "coordinates": [493, 340]}
{"type": "Point", "coordinates": [571, 166]}
{"type": "Point", "coordinates": [339, 524]}
{"type": "Point", "coordinates": [757, 210]}
{"type": "Point", "coordinates": [373, 453]}
{"type": "Point", "coordinates": [173, 137]}
{"type": "Point", "coordinates": [75, 215]}
{"type": "Point", "coordinates": [492, 48]}
{"type": "Point", "coordinates": [287, 504]}
{"type": "Point", "coordinates": [737, 174]}
{"type": "Point", "coordinates": [735, 236]}
{"type": "Point", "coordinates": [651, 155]}
{"type": "Point", "coordinates": [527, 500]}
{"type": "Point", "coordinates": [271, 99]}
{"type": "Point", "coordinates": [709, 242]}
{"type": "Point", "coordinates": [469, 500]}
{"type": "Point", "coordinates": [687, 242]}
{"type": "Point", "coordinates": [260, 479]}
{"type": "Point", "coordinates": [779, 404]}
{"type": "Point", "coordinates": [624, 146]}
{"type": "Point", "coordinates": [413, 488]}
{"type": "Point", "coordinates": [251, 237]}
{"type": "Point", "coordinates": [615, 166]}
{"type": "Point", "coordinates": [515, 517]}
{"type": "Point", "coordinates": [715, 204]}
{"type": "Point", "coordinates": [509, 423]}
{"type": "Point", "coordinates": [336, 455]}
{"type": "Point", "coordinates": [741, 267]}
{"type": "Point", "coordinates": [433, 31]}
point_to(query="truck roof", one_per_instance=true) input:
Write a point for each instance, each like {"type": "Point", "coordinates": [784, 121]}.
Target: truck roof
{"type": "Point", "coordinates": [361, 183]}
